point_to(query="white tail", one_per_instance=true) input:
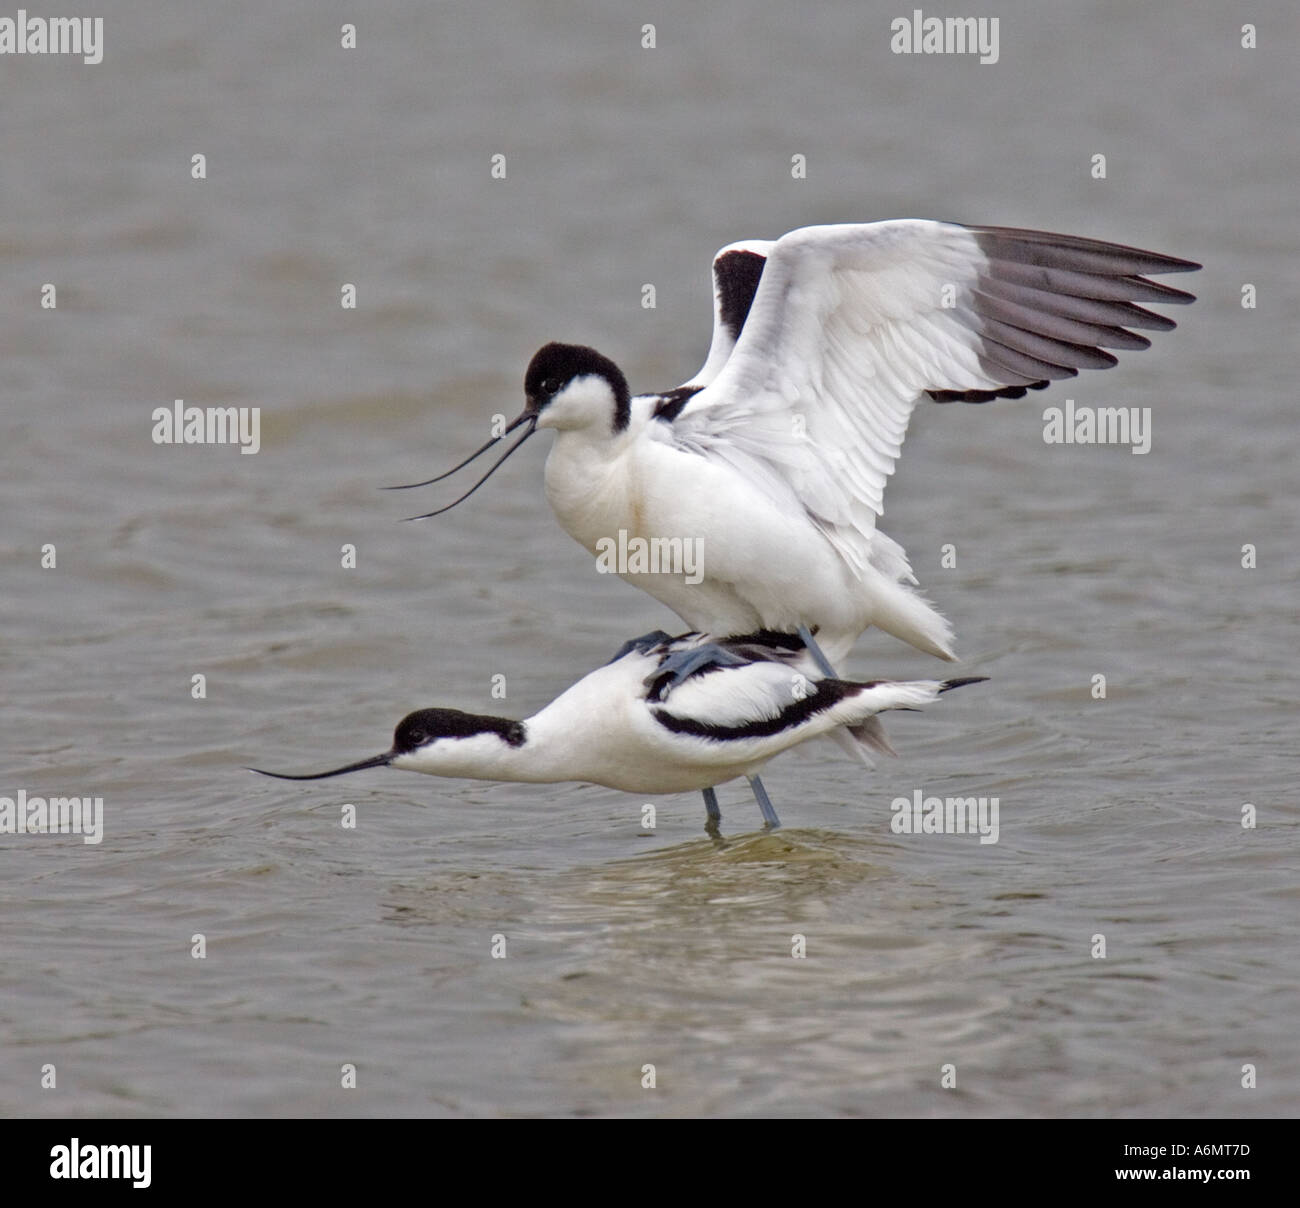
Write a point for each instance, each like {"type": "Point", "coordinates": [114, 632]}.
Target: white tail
{"type": "Point", "coordinates": [909, 616]}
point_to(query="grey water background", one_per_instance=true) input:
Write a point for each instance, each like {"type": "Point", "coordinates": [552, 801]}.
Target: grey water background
{"type": "Point", "coordinates": [626, 166]}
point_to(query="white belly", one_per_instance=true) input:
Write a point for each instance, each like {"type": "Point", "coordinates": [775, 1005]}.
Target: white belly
{"type": "Point", "coordinates": [697, 536]}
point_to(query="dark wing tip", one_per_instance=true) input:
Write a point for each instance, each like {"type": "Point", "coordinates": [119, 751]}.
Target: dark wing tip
{"type": "Point", "coordinates": [736, 275]}
{"type": "Point", "coordinates": [1079, 252]}
{"type": "Point", "coordinates": [1047, 305]}
{"type": "Point", "coordinates": [949, 685]}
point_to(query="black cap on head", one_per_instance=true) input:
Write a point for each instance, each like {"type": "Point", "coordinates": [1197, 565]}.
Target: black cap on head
{"type": "Point", "coordinates": [554, 366]}
{"type": "Point", "coordinates": [421, 727]}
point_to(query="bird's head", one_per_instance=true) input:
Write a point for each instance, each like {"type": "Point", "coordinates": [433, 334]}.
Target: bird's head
{"type": "Point", "coordinates": [438, 741]}
{"type": "Point", "coordinates": [571, 386]}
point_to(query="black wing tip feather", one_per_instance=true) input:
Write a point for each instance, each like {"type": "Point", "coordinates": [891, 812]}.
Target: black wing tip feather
{"type": "Point", "coordinates": [1049, 305]}
{"type": "Point", "coordinates": [1088, 249]}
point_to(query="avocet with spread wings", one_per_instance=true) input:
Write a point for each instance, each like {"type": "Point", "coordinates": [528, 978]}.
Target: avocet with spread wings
{"type": "Point", "coordinates": [774, 457]}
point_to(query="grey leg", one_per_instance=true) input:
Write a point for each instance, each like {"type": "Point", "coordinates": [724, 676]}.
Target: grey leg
{"type": "Point", "coordinates": [711, 806]}
{"type": "Point", "coordinates": [770, 820]}
{"type": "Point", "coordinates": [713, 814]}
{"type": "Point", "coordinates": [678, 667]}
{"type": "Point", "coordinates": [823, 663]}
{"type": "Point", "coordinates": [645, 643]}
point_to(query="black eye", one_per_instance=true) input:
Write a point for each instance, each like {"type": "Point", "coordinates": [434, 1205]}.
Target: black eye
{"type": "Point", "coordinates": [551, 385]}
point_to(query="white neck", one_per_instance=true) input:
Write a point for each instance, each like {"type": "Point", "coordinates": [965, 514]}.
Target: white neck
{"type": "Point", "coordinates": [587, 483]}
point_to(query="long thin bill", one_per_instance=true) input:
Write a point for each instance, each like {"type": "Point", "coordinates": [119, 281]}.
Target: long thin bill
{"type": "Point", "coordinates": [379, 761]}
{"type": "Point", "coordinates": [514, 423]}
{"type": "Point", "coordinates": [495, 465]}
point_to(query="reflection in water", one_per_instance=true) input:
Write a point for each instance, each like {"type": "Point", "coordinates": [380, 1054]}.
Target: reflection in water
{"type": "Point", "coordinates": [791, 963]}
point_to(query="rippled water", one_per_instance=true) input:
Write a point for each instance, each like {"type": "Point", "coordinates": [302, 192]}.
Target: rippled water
{"type": "Point", "coordinates": [372, 946]}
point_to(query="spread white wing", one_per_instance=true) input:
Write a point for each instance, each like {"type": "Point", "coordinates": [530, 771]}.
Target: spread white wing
{"type": "Point", "coordinates": [850, 325]}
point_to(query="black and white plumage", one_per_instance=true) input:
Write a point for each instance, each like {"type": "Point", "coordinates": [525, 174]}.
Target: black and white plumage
{"type": "Point", "coordinates": [776, 454]}
{"type": "Point", "coordinates": [666, 715]}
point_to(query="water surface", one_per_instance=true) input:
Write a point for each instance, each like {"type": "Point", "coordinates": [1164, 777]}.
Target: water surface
{"type": "Point", "coordinates": [372, 946]}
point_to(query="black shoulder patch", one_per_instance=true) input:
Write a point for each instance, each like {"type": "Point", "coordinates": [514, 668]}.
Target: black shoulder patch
{"type": "Point", "coordinates": [736, 276]}
{"type": "Point", "coordinates": [671, 402]}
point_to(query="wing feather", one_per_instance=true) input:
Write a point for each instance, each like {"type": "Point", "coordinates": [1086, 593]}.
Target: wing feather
{"type": "Point", "coordinates": [737, 269]}
{"type": "Point", "coordinates": [850, 325]}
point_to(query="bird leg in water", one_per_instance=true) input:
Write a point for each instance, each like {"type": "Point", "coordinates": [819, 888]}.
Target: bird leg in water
{"type": "Point", "coordinates": [770, 820]}
{"type": "Point", "coordinates": [711, 809]}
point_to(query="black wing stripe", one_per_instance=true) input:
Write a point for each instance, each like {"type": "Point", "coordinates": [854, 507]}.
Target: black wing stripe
{"type": "Point", "coordinates": [823, 696]}
{"type": "Point", "coordinates": [770, 639]}
{"type": "Point", "coordinates": [984, 396]}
